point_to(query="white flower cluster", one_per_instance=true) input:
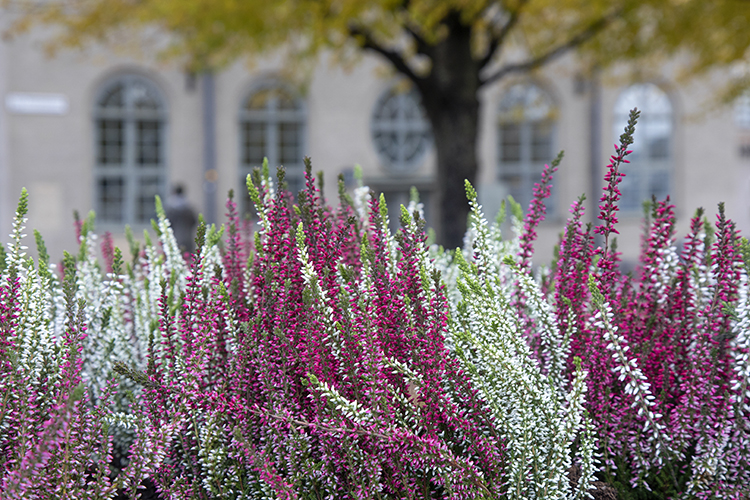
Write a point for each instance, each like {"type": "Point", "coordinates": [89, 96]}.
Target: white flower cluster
{"type": "Point", "coordinates": [627, 370]}
{"type": "Point", "coordinates": [119, 310]}
{"type": "Point", "coordinates": [540, 422]}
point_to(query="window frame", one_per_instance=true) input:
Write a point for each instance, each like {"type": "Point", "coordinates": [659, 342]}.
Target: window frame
{"type": "Point", "coordinates": [128, 168]}
{"type": "Point", "coordinates": [528, 168]}
{"type": "Point", "coordinates": [275, 117]}
{"type": "Point", "coordinates": [401, 166]}
{"type": "Point", "coordinates": [643, 168]}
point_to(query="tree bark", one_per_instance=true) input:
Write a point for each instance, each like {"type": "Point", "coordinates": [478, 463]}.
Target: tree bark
{"type": "Point", "coordinates": [449, 96]}
{"type": "Point", "coordinates": [454, 129]}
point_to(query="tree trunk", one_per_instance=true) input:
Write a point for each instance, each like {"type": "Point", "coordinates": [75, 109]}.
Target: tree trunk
{"type": "Point", "coordinates": [449, 96]}
{"type": "Point", "coordinates": [454, 128]}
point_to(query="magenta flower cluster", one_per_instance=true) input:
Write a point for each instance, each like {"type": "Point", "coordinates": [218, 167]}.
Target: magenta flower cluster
{"type": "Point", "coordinates": [665, 349]}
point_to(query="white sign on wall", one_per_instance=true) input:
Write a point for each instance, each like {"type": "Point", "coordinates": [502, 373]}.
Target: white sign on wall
{"type": "Point", "coordinates": [27, 103]}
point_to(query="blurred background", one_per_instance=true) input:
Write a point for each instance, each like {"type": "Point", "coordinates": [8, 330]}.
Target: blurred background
{"type": "Point", "coordinates": [106, 104]}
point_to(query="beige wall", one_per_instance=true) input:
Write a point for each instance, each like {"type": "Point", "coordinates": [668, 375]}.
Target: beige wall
{"type": "Point", "coordinates": [53, 155]}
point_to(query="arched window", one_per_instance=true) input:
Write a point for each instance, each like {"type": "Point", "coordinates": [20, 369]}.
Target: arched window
{"type": "Point", "coordinates": [400, 130]}
{"type": "Point", "coordinates": [130, 167]}
{"type": "Point", "coordinates": [272, 125]}
{"type": "Point", "coordinates": [526, 130]}
{"type": "Point", "coordinates": [649, 171]}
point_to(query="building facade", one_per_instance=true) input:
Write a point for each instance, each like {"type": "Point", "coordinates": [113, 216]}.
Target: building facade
{"type": "Point", "coordinates": [105, 132]}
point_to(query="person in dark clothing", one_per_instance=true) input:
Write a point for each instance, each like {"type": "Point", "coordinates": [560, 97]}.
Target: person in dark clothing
{"type": "Point", "coordinates": [182, 217]}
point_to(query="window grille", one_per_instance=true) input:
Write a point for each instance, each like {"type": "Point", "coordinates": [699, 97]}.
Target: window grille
{"type": "Point", "coordinates": [526, 133]}
{"type": "Point", "coordinates": [272, 125]}
{"type": "Point", "coordinates": [649, 171]}
{"type": "Point", "coordinates": [400, 130]}
{"type": "Point", "coordinates": [130, 167]}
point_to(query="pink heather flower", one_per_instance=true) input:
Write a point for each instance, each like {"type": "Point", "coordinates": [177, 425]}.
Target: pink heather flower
{"type": "Point", "coordinates": [536, 212]}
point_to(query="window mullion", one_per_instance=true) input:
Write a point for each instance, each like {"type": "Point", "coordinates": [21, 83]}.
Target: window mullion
{"type": "Point", "coordinates": [527, 169]}
{"type": "Point", "coordinates": [163, 155]}
{"type": "Point", "coordinates": [129, 172]}
{"type": "Point", "coordinates": [400, 129]}
{"type": "Point", "coordinates": [272, 139]}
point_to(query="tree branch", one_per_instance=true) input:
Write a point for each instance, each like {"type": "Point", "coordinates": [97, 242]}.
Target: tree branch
{"type": "Point", "coordinates": [587, 34]}
{"type": "Point", "coordinates": [422, 46]}
{"type": "Point", "coordinates": [497, 41]}
{"type": "Point", "coordinates": [368, 42]}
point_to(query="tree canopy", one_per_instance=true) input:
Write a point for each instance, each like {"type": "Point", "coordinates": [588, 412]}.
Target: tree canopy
{"type": "Point", "coordinates": [214, 32]}
{"type": "Point", "coordinates": [448, 48]}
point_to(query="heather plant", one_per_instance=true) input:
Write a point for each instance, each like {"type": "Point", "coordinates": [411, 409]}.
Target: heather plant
{"type": "Point", "coordinates": [328, 357]}
{"type": "Point", "coordinates": [539, 415]}
{"type": "Point", "coordinates": [666, 352]}
{"type": "Point", "coordinates": [326, 362]}
{"type": "Point", "coordinates": [54, 428]}
{"type": "Point", "coordinates": [661, 356]}
{"type": "Point", "coordinates": [67, 428]}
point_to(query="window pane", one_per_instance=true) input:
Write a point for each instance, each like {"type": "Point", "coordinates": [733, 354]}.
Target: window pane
{"type": "Point", "coordinates": [253, 143]}
{"type": "Point", "coordinates": [649, 171]}
{"type": "Point", "coordinates": [273, 127]}
{"type": "Point", "coordinates": [148, 188]}
{"type": "Point", "coordinates": [387, 110]}
{"type": "Point", "coordinates": [414, 146]}
{"type": "Point", "coordinates": [519, 187]}
{"type": "Point", "coordinates": [129, 136]}
{"type": "Point", "coordinates": [295, 180]}
{"type": "Point", "coordinates": [400, 130]}
{"type": "Point", "coordinates": [541, 141]}
{"type": "Point", "coordinates": [114, 97]}
{"type": "Point", "coordinates": [289, 143]}
{"type": "Point", "coordinates": [285, 100]}
{"type": "Point", "coordinates": [142, 98]}
{"type": "Point", "coordinates": [659, 184]}
{"type": "Point", "coordinates": [111, 141]}
{"type": "Point", "coordinates": [510, 142]}
{"type": "Point", "coordinates": [632, 192]}
{"type": "Point", "coordinates": [526, 121]}
{"type": "Point", "coordinates": [658, 148]}
{"type": "Point", "coordinates": [513, 181]}
{"type": "Point", "coordinates": [148, 142]}
{"type": "Point", "coordinates": [386, 144]}
{"type": "Point", "coordinates": [111, 194]}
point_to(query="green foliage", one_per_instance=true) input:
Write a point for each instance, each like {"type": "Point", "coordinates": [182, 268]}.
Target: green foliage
{"type": "Point", "coordinates": [515, 208]}
{"type": "Point", "coordinates": [713, 33]}
{"type": "Point", "coordinates": [23, 204]}
{"type": "Point", "coordinates": [41, 248]}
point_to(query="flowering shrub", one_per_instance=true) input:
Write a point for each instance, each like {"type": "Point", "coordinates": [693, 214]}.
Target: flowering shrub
{"type": "Point", "coordinates": [330, 358]}
{"type": "Point", "coordinates": [666, 353]}
{"type": "Point", "coordinates": [56, 405]}
{"type": "Point", "coordinates": [320, 372]}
